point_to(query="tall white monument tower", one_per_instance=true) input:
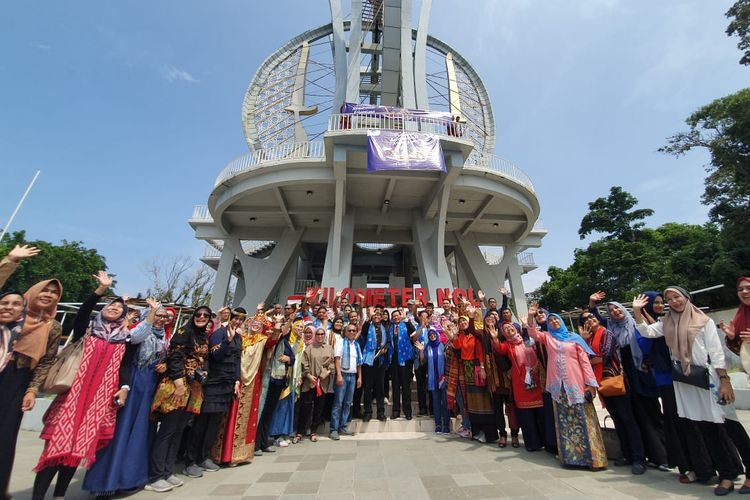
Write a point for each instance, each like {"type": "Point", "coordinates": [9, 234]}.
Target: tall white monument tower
{"type": "Point", "coordinates": [302, 209]}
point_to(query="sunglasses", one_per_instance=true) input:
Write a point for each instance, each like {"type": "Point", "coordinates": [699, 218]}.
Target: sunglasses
{"type": "Point", "coordinates": [202, 315]}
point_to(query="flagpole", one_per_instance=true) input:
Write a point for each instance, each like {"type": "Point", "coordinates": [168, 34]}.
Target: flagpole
{"type": "Point", "coordinates": [23, 198]}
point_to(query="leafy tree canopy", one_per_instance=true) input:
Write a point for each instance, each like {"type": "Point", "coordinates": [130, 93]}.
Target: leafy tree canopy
{"type": "Point", "coordinates": [613, 216]}
{"type": "Point", "coordinates": [640, 259]}
{"type": "Point", "coordinates": [723, 128]}
{"type": "Point", "coordinates": [739, 13]}
{"type": "Point", "coordinates": [70, 262]}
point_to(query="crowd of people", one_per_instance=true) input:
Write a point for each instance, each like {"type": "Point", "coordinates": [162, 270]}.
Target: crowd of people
{"type": "Point", "coordinates": [136, 396]}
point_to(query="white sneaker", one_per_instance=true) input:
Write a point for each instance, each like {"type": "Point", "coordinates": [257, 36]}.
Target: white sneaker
{"type": "Point", "coordinates": [175, 481]}
{"type": "Point", "coordinates": [282, 443]}
{"type": "Point", "coordinates": [481, 438]}
{"type": "Point", "coordinates": [160, 486]}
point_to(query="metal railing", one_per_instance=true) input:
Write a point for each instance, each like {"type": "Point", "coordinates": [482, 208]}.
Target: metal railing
{"type": "Point", "coordinates": [200, 212]}
{"type": "Point", "coordinates": [395, 121]}
{"type": "Point", "coordinates": [502, 166]}
{"type": "Point", "coordinates": [301, 286]}
{"type": "Point", "coordinates": [526, 259]}
{"type": "Point", "coordinates": [296, 151]}
{"type": "Point", "coordinates": [250, 247]}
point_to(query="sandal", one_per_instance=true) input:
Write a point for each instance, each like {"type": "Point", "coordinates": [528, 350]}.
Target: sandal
{"type": "Point", "coordinates": [687, 478]}
{"type": "Point", "coordinates": [297, 439]}
{"type": "Point", "coordinates": [514, 442]}
{"type": "Point", "coordinates": [314, 437]}
{"type": "Point", "coordinates": [502, 442]}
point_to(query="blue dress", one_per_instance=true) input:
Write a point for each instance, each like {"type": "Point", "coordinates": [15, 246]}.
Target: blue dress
{"type": "Point", "coordinates": [123, 464]}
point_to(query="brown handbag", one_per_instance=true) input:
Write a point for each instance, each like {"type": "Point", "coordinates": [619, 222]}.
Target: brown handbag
{"type": "Point", "coordinates": [612, 386]}
{"type": "Point", "coordinates": [63, 372]}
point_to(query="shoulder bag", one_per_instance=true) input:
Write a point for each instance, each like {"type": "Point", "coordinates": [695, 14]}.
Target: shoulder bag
{"type": "Point", "coordinates": [63, 372]}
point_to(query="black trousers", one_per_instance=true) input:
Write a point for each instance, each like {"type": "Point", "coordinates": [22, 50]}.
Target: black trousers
{"type": "Point", "coordinates": [550, 433]}
{"type": "Point", "coordinates": [202, 436]}
{"type": "Point", "coordinates": [628, 432]}
{"type": "Point", "coordinates": [500, 403]}
{"type": "Point", "coordinates": [647, 412]}
{"type": "Point", "coordinates": [741, 441]}
{"type": "Point", "coordinates": [532, 426]}
{"type": "Point", "coordinates": [311, 411]}
{"type": "Point", "coordinates": [44, 478]}
{"type": "Point", "coordinates": [264, 422]}
{"type": "Point", "coordinates": [723, 454]}
{"type": "Point", "coordinates": [401, 386]}
{"type": "Point", "coordinates": [13, 384]}
{"type": "Point", "coordinates": [685, 447]}
{"type": "Point", "coordinates": [373, 380]}
{"type": "Point", "coordinates": [167, 444]}
{"type": "Point", "coordinates": [425, 402]}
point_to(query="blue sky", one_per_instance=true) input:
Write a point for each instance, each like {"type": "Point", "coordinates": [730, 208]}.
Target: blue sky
{"type": "Point", "coordinates": [130, 113]}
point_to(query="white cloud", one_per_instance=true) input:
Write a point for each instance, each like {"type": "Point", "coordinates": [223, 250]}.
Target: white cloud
{"type": "Point", "coordinates": [41, 46]}
{"type": "Point", "coordinates": [174, 74]}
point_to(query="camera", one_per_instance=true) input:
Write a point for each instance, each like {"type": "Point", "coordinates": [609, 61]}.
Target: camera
{"type": "Point", "coordinates": [199, 375]}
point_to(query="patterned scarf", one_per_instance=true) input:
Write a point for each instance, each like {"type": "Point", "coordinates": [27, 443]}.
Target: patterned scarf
{"type": "Point", "coordinates": [114, 332]}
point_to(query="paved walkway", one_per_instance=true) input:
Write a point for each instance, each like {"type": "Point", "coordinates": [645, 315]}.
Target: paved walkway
{"type": "Point", "coordinates": [394, 465]}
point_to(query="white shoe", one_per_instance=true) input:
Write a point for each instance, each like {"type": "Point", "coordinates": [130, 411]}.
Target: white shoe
{"type": "Point", "coordinates": [481, 438]}
{"type": "Point", "coordinates": [175, 481]}
{"type": "Point", "coordinates": [160, 486]}
{"type": "Point", "coordinates": [283, 443]}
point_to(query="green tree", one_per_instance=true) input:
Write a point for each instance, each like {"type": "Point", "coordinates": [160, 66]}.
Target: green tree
{"type": "Point", "coordinates": [688, 255]}
{"type": "Point", "coordinates": [70, 262]}
{"type": "Point", "coordinates": [739, 13]}
{"type": "Point", "coordinates": [614, 216]}
{"type": "Point", "coordinates": [723, 128]}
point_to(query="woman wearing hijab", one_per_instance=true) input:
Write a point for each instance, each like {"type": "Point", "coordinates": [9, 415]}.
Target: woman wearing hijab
{"type": "Point", "coordinates": [123, 465]}
{"type": "Point", "coordinates": [81, 421]}
{"type": "Point", "coordinates": [572, 384]}
{"type": "Point", "coordinates": [236, 443]}
{"type": "Point", "coordinates": [550, 436]}
{"type": "Point", "coordinates": [221, 386]}
{"type": "Point", "coordinates": [684, 443]}
{"type": "Point", "coordinates": [178, 396]}
{"type": "Point", "coordinates": [737, 338]}
{"type": "Point", "coordinates": [432, 355]}
{"type": "Point", "coordinates": [284, 421]}
{"type": "Point", "coordinates": [471, 345]}
{"type": "Point", "coordinates": [502, 395]}
{"type": "Point", "coordinates": [17, 375]}
{"type": "Point", "coordinates": [641, 385]}
{"type": "Point", "coordinates": [317, 367]}
{"type": "Point", "coordinates": [527, 387]}
{"type": "Point", "coordinates": [696, 349]}
{"type": "Point", "coordinates": [606, 363]}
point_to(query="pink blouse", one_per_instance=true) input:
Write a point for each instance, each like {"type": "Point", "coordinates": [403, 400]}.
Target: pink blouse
{"type": "Point", "coordinates": [568, 367]}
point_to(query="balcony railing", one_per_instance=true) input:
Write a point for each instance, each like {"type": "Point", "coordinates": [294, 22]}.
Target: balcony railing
{"type": "Point", "coordinates": [526, 259]}
{"type": "Point", "coordinates": [395, 121]}
{"type": "Point", "coordinates": [201, 213]}
{"type": "Point", "coordinates": [297, 151]}
{"type": "Point", "coordinates": [250, 247]}
{"type": "Point", "coordinates": [502, 166]}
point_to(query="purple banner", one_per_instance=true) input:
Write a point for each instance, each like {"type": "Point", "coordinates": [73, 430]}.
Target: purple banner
{"type": "Point", "coordinates": [388, 150]}
{"type": "Point", "coordinates": [372, 109]}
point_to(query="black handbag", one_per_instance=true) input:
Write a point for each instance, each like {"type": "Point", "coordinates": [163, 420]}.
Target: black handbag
{"type": "Point", "coordinates": [697, 377]}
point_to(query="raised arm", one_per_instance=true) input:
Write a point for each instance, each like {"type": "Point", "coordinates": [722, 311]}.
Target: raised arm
{"type": "Point", "coordinates": [143, 329]}
{"type": "Point", "coordinates": [11, 261]}
{"type": "Point", "coordinates": [652, 331]}
{"type": "Point", "coordinates": [83, 318]}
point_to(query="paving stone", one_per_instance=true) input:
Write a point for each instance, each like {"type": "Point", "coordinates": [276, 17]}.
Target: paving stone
{"type": "Point", "coordinates": [274, 477]}
{"type": "Point", "coordinates": [231, 489]}
{"type": "Point", "coordinates": [482, 491]}
{"type": "Point", "coordinates": [306, 487]}
{"type": "Point", "coordinates": [474, 479]}
{"type": "Point", "coordinates": [312, 465]}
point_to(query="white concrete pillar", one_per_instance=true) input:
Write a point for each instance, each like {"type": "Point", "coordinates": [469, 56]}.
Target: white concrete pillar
{"type": "Point", "coordinates": [337, 272]}
{"type": "Point", "coordinates": [223, 275]}
{"type": "Point", "coordinates": [480, 274]}
{"type": "Point", "coordinates": [429, 249]}
{"type": "Point", "coordinates": [516, 287]}
{"type": "Point", "coordinates": [239, 292]}
{"type": "Point", "coordinates": [263, 276]}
